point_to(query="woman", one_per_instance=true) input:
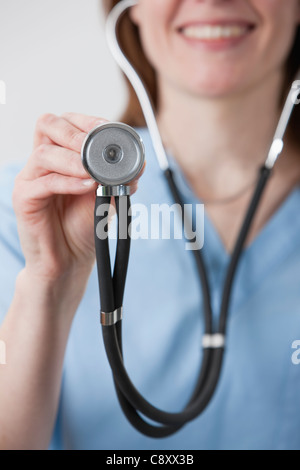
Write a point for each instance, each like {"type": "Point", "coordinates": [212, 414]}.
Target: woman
{"type": "Point", "coordinates": [217, 71]}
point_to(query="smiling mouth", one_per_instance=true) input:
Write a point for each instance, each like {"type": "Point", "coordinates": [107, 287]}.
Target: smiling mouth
{"type": "Point", "coordinates": [216, 32]}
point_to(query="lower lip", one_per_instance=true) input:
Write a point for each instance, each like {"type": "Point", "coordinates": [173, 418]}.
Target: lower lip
{"type": "Point", "coordinates": [221, 44]}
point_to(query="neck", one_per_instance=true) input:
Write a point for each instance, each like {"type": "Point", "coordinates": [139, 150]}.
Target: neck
{"type": "Point", "coordinates": [217, 140]}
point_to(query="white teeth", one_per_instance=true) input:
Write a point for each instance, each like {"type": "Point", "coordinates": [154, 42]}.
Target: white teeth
{"type": "Point", "coordinates": [214, 32]}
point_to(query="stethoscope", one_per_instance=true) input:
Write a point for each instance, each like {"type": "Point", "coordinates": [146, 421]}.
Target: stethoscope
{"type": "Point", "coordinates": [113, 154]}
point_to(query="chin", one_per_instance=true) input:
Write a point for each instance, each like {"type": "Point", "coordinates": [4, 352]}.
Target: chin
{"type": "Point", "coordinates": [213, 80]}
{"type": "Point", "coordinates": [216, 86]}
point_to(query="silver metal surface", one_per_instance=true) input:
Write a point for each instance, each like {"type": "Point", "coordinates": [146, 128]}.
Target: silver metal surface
{"type": "Point", "coordinates": [111, 318]}
{"type": "Point", "coordinates": [113, 154]}
{"type": "Point", "coordinates": [278, 144]}
{"type": "Point", "coordinates": [216, 341]}
{"type": "Point", "coordinates": [109, 191]}
{"type": "Point", "coordinates": [146, 105]}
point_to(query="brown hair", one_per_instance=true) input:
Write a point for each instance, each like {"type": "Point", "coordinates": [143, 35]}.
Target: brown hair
{"type": "Point", "coordinates": [131, 45]}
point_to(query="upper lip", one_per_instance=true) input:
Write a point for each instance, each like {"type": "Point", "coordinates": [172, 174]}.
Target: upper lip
{"type": "Point", "coordinates": [216, 22]}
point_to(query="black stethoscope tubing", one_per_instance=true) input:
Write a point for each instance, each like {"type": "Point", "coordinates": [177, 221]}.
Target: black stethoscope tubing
{"type": "Point", "coordinates": [111, 287]}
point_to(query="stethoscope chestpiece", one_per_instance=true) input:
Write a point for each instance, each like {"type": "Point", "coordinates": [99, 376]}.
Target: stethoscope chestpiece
{"type": "Point", "coordinates": [113, 154]}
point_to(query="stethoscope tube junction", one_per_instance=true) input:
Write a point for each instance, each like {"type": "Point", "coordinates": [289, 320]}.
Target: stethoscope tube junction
{"type": "Point", "coordinates": [113, 154]}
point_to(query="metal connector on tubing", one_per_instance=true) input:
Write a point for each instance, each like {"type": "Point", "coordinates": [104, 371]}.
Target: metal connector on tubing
{"type": "Point", "coordinates": [275, 151]}
{"type": "Point", "coordinates": [111, 318]}
{"type": "Point", "coordinates": [216, 341]}
{"type": "Point", "coordinates": [278, 144]}
{"type": "Point", "coordinates": [110, 191]}
{"type": "Point", "coordinates": [296, 90]}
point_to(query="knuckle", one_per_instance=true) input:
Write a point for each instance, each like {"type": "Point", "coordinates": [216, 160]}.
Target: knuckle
{"type": "Point", "coordinates": [67, 115]}
{"type": "Point", "coordinates": [40, 151]}
{"type": "Point", "coordinates": [46, 119]}
{"type": "Point", "coordinates": [50, 180]}
{"type": "Point", "coordinates": [73, 136]}
{"type": "Point", "coordinates": [75, 165]}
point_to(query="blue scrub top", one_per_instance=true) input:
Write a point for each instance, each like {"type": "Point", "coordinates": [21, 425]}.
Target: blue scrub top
{"type": "Point", "coordinates": [257, 402]}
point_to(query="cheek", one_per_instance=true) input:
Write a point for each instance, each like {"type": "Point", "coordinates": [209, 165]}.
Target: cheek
{"type": "Point", "coordinates": [154, 18]}
{"type": "Point", "coordinates": [273, 8]}
{"type": "Point", "coordinates": [278, 21]}
{"type": "Point", "coordinates": [153, 13]}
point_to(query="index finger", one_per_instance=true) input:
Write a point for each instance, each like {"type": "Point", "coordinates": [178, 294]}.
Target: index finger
{"type": "Point", "coordinates": [60, 132]}
{"type": "Point", "coordinates": [83, 122]}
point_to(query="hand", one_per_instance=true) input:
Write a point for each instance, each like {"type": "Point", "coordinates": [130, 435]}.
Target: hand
{"type": "Point", "coordinates": [54, 199]}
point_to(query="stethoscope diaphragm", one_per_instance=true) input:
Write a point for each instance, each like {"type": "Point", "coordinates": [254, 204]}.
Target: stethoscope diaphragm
{"type": "Point", "coordinates": [113, 154]}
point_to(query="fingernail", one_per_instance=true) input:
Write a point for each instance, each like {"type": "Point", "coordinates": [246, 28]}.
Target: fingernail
{"type": "Point", "coordinates": [100, 122]}
{"type": "Point", "coordinates": [88, 182]}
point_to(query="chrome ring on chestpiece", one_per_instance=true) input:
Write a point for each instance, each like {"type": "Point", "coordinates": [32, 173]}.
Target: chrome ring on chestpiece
{"type": "Point", "coordinates": [114, 191]}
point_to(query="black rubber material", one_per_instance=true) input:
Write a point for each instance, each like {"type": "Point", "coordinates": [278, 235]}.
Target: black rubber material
{"type": "Point", "coordinates": [114, 350]}
{"type": "Point", "coordinates": [103, 259]}
{"type": "Point", "coordinates": [122, 253]}
{"type": "Point", "coordinates": [111, 294]}
{"type": "Point", "coordinates": [227, 291]}
{"type": "Point", "coordinates": [194, 407]}
{"type": "Point", "coordinates": [204, 285]}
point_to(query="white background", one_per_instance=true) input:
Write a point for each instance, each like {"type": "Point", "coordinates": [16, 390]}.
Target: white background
{"type": "Point", "coordinates": [53, 58]}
